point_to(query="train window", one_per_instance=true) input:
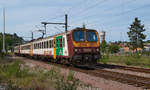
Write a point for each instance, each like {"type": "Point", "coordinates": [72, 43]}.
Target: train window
{"type": "Point", "coordinates": [57, 43]}
{"type": "Point", "coordinates": [46, 44]}
{"type": "Point", "coordinates": [52, 43]}
{"type": "Point", "coordinates": [33, 46]}
{"type": "Point", "coordinates": [40, 45]}
{"type": "Point", "coordinates": [91, 36]}
{"type": "Point", "coordinates": [60, 43]}
{"type": "Point", "coordinates": [36, 45]}
{"type": "Point", "coordinates": [79, 36]}
{"type": "Point", "coordinates": [43, 44]}
{"type": "Point", "coordinates": [49, 44]}
{"type": "Point", "coordinates": [63, 42]}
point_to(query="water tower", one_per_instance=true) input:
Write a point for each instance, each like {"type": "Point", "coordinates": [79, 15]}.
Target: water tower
{"type": "Point", "coordinates": [102, 35]}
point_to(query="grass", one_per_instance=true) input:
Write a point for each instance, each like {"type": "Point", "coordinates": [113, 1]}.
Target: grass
{"type": "Point", "coordinates": [130, 59]}
{"type": "Point", "coordinates": [16, 76]}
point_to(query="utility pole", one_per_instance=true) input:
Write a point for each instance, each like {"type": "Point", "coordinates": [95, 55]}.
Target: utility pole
{"type": "Point", "coordinates": [3, 50]}
{"type": "Point", "coordinates": [66, 23]}
{"type": "Point", "coordinates": [32, 36]}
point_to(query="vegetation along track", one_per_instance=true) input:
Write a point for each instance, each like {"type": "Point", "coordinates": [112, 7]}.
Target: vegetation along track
{"type": "Point", "coordinates": [137, 81]}
{"type": "Point", "coordinates": [135, 69]}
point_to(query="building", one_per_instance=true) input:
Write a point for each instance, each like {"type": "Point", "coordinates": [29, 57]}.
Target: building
{"type": "Point", "coordinates": [147, 46]}
{"type": "Point", "coordinates": [102, 35]}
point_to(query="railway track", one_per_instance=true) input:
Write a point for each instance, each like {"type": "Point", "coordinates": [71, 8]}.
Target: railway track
{"type": "Point", "coordinates": [134, 69]}
{"type": "Point", "coordinates": [129, 79]}
{"type": "Point", "coordinates": [138, 81]}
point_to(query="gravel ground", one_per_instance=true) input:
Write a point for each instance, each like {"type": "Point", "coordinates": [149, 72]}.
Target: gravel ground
{"type": "Point", "coordinates": [97, 83]}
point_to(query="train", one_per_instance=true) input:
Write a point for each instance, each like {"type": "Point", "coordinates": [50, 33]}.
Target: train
{"type": "Point", "coordinates": [79, 46]}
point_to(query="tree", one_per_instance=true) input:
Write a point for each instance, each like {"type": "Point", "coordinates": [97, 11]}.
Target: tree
{"type": "Point", "coordinates": [10, 41]}
{"type": "Point", "coordinates": [113, 48]}
{"type": "Point", "coordinates": [136, 35]}
{"type": "Point", "coordinates": [103, 46]}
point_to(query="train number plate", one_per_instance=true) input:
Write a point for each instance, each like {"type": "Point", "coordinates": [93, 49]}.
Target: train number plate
{"type": "Point", "coordinates": [87, 50]}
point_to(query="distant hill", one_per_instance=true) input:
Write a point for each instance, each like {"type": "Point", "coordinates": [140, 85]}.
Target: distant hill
{"type": "Point", "coordinates": [11, 40]}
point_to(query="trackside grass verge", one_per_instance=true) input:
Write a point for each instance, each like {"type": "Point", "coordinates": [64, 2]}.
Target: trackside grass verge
{"type": "Point", "coordinates": [132, 60]}
{"type": "Point", "coordinates": [15, 75]}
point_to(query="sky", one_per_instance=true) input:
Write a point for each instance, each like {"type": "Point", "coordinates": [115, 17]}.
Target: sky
{"type": "Point", "coordinates": [112, 16]}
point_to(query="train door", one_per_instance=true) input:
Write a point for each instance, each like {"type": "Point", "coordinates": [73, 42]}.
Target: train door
{"type": "Point", "coordinates": [54, 43]}
{"type": "Point", "coordinates": [31, 49]}
{"type": "Point", "coordinates": [59, 46]}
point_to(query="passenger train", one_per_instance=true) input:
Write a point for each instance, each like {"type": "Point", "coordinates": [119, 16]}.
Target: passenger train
{"type": "Point", "coordinates": [79, 46]}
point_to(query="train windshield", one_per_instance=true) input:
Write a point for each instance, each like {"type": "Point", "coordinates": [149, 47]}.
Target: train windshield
{"type": "Point", "coordinates": [91, 36]}
{"type": "Point", "coordinates": [79, 36]}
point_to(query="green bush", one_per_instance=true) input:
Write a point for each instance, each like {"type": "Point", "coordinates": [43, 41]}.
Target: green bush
{"type": "Point", "coordinates": [105, 58]}
{"type": "Point", "coordinates": [113, 48]}
{"type": "Point", "coordinates": [128, 62]}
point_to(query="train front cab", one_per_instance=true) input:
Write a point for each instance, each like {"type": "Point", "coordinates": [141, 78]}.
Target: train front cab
{"type": "Point", "coordinates": [86, 46]}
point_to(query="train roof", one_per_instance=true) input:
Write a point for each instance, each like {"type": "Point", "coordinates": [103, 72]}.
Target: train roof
{"type": "Point", "coordinates": [68, 32]}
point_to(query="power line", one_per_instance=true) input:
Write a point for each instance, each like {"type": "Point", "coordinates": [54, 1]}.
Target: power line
{"type": "Point", "coordinates": [97, 14]}
{"type": "Point", "coordinates": [132, 10]}
{"type": "Point", "coordinates": [88, 8]}
{"type": "Point", "coordinates": [56, 17]}
{"type": "Point", "coordinates": [79, 5]}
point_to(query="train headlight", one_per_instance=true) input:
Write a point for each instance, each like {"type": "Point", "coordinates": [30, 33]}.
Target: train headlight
{"type": "Point", "coordinates": [97, 50]}
{"type": "Point", "coordinates": [76, 50]}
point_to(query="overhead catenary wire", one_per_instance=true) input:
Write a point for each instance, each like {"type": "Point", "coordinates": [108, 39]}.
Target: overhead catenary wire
{"type": "Point", "coordinates": [97, 14]}
{"type": "Point", "coordinates": [126, 12]}
{"type": "Point", "coordinates": [82, 11]}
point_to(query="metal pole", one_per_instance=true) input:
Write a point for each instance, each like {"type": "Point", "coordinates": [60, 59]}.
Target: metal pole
{"type": "Point", "coordinates": [66, 22]}
{"type": "Point", "coordinates": [3, 31]}
{"type": "Point", "coordinates": [45, 28]}
{"type": "Point", "coordinates": [32, 35]}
